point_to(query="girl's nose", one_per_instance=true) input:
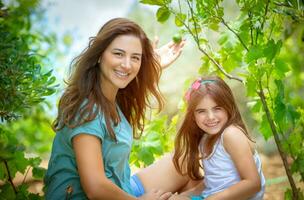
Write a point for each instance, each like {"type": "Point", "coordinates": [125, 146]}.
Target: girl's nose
{"type": "Point", "coordinates": [210, 115]}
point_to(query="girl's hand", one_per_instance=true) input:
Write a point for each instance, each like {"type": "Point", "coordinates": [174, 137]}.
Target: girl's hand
{"type": "Point", "coordinates": [156, 195]}
{"type": "Point", "coordinates": [169, 52]}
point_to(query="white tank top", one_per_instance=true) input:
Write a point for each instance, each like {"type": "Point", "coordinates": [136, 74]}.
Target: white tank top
{"type": "Point", "coordinates": [221, 173]}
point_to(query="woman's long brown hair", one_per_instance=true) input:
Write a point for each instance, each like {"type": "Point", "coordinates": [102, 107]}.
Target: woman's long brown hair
{"type": "Point", "coordinates": [83, 98]}
{"type": "Point", "coordinates": [187, 157]}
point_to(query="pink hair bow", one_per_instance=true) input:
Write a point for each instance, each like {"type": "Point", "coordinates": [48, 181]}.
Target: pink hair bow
{"type": "Point", "coordinates": [195, 86]}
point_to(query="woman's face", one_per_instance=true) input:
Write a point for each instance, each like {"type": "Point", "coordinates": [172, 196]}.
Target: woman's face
{"type": "Point", "coordinates": [120, 62]}
{"type": "Point", "coordinates": [209, 116]}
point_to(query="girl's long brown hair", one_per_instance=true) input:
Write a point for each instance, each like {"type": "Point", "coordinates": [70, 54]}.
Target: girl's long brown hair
{"type": "Point", "coordinates": [187, 157]}
{"type": "Point", "coordinates": [83, 93]}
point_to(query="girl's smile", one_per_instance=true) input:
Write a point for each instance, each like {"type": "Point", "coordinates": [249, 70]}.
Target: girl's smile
{"type": "Point", "coordinates": [209, 116]}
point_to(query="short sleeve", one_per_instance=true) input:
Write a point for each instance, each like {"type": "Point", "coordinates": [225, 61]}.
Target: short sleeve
{"type": "Point", "coordinates": [95, 127]}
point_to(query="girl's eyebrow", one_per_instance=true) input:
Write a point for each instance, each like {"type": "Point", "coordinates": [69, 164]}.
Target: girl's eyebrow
{"type": "Point", "coordinates": [121, 50]}
{"type": "Point", "coordinates": [199, 109]}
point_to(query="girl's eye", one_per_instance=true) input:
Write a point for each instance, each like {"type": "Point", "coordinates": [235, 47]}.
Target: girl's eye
{"type": "Point", "coordinates": [218, 108]}
{"type": "Point", "coordinates": [201, 111]}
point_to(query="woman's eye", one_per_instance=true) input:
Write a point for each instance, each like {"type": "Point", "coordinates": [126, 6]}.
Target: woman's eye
{"type": "Point", "coordinates": [118, 54]}
{"type": "Point", "coordinates": [136, 58]}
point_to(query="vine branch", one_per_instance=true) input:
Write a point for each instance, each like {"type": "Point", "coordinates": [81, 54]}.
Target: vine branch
{"type": "Point", "coordinates": [235, 33]}
{"type": "Point", "coordinates": [264, 20]}
{"type": "Point", "coordinates": [10, 177]}
{"type": "Point", "coordinates": [277, 140]}
{"type": "Point", "coordinates": [196, 39]}
{"type": "Point", "coordinates": [26, 173]}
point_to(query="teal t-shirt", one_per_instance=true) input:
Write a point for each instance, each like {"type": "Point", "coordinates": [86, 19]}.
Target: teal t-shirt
{"type": "Point", "coordinates": [62, 169]}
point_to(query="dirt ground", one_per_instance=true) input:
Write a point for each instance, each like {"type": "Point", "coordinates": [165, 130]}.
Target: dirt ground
{"type": "Point", "coordinates": [273, 171]}
{"type": "Point", "coordinates": [273, 168]}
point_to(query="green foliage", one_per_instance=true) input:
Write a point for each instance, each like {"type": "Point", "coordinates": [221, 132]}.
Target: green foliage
{"type": "Point", "coordinates": [153, 2]}
{"type": "Point", "coordinates": [157, 139]}
{"type": "Point", "coordinates": [13, 160]}
{"type": "Point", "coordinates": [162, 14]}
{"type": "Point", "coordinates": [25, 82]}
{"type": "Point", "coordinates": [34, 130]}
{"type": "Point", "coordinates": [262, 48]}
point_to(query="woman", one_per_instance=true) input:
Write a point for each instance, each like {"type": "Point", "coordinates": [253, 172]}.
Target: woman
{"type": "Point", "coordinates": [100, 111]}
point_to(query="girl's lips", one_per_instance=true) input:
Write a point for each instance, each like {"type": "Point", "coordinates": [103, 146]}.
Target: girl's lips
{"type": "Point", "coordinates": [211, 124]}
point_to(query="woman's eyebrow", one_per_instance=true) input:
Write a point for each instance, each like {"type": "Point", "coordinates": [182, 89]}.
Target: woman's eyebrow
{"type": "Point", "coordinates": [121, 50]}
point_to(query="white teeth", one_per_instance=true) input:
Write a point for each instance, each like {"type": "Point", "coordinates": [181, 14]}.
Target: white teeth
{"type": "Point", "coordinates": [121, 73]}
{"type": "Point", "coordinates": [211, 125]}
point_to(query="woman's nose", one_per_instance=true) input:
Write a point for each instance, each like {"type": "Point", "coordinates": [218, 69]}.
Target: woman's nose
{"type": "Point", "coordinates": [126, 63]}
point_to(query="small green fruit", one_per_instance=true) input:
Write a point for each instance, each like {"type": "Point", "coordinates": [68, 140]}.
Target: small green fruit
{"type": "Point", "coordinates": [177, 38]}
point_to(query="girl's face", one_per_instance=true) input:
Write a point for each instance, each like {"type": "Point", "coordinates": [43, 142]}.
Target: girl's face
{"type": "Point", "coordinates": [209, 116]}
{"type": "Point", "coordinates": [120, 62]}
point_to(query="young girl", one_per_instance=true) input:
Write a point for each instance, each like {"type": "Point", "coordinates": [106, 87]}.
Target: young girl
{"type": "Point", "coordinates": [101, 111]}
{"type": "Point", "coordinates": [214, 132]}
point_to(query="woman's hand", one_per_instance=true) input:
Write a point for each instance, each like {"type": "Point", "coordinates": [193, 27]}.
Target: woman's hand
{"type": "Point", "coordinates": [179, 197]}
{"type": "Point", "coordinates": [169, 52]}
{"type": "Point", "coordinates": [156, 195]}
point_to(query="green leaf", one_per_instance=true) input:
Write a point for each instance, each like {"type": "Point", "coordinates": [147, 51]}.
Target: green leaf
{"type": "Point", "coordinates": [280, 87]}
{"type": "Point", "coordinates": [214, 26]}
{"type": "Point", "coordinates": [38, 172]}
{"type": "Point", "coordinates": [153, 2]}
{"type": "Point", "coordinates": [19, 162]}
{"type": "Point", "coordinates": [251, 86]}
{"type": "Point", "coordinates": [295, 143]}
{"type": "Point", "coordinates": [265, 128]}
{"type": "Point", "coordinates": [298, 164]}
{"type": "Point", "coordinates": [32, 196]}
{"type": "Point", "coordinates": [180, 19]}
{"type": "Point", "coordinates": [2, 171]}
{"type": "Point", "coordinates": [146, 156]}
{"type": "Point", "coordinates": [223, 39]}
{"type": "Point", "coordinates": [7, 192]}
{"type": "Point", "coordinates": [292, 114]}
{"type": "Point", "coordinates": [162, 14]}
{"type": "Point", "coordinates": [257, 107]}
{"type": "Point", "coordinates": [22, 192]}
{"type": "Point", "coordinates": [280, 113]}
{"type": "Point", "coordinates": [272, 49]}
{"type": "Point", "coordinates": [254, 53]}
{"type": "Point", "coordinates": [281, 68]}
{"type": "Point", "coordinates": [35, 162]}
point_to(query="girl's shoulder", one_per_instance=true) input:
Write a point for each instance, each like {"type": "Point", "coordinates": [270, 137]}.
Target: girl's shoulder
{"type": "Point", "coordinates": [233, 135]}
{"type": "Point", "coordinates": [233, 130]}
